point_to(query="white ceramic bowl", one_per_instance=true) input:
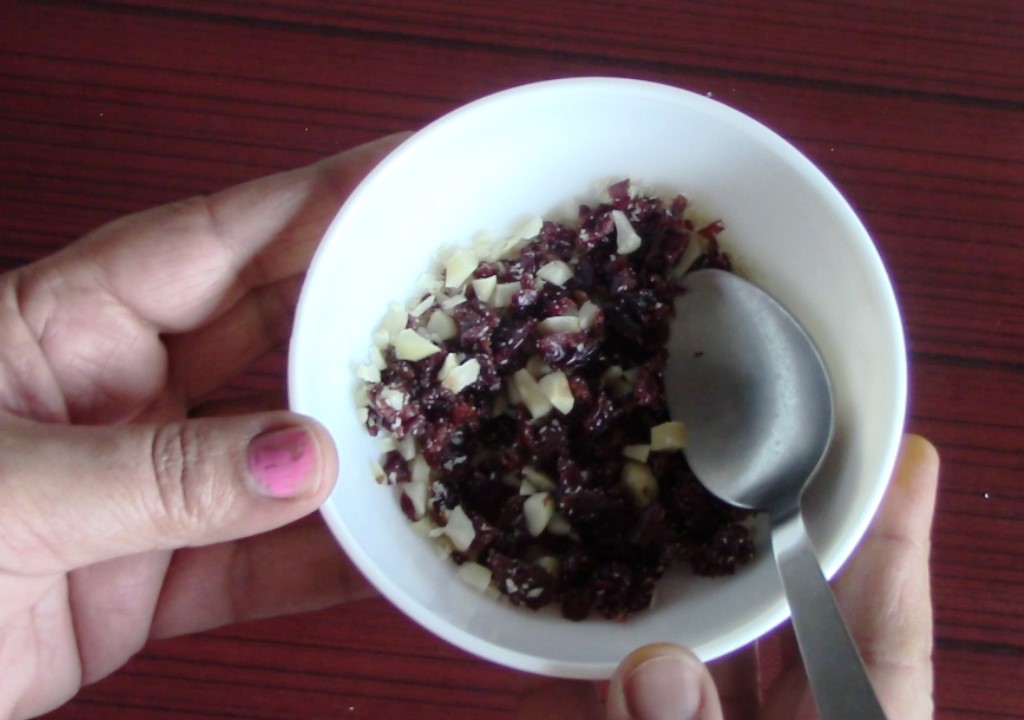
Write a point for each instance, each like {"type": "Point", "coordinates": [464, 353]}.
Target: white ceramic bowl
{"type": "Point", "coordinates": [524, 152]}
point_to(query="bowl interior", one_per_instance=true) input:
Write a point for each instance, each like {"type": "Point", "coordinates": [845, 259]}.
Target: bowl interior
{"type": "Point", "coordinates": [525, 152]}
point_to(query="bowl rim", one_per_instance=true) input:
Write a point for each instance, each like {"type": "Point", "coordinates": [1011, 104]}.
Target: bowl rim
{"type": "Point", "coordinates": [738, 636]}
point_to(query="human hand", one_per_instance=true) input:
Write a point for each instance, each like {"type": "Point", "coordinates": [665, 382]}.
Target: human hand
{"type": "Point", "coordinates": [111, 459]}
{"type": "Point", "coordinates": [885, 597]}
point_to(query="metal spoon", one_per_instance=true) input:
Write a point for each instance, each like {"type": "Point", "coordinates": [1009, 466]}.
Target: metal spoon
{"type": "Point", "coordinates": [754, 394]}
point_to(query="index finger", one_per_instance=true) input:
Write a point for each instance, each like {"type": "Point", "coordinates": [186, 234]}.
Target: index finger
{"type": "Point", "coordinates": [885, 591]}
{"type": "Point", "coordinates": [178, 265]}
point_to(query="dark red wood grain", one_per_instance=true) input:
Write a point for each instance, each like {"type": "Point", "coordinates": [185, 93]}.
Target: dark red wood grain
{"type": "Point", "coordinates": [914, 108]}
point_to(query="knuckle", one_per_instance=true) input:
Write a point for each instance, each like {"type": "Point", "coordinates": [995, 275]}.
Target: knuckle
{"type": "Point", "coordinates": [187, 498]}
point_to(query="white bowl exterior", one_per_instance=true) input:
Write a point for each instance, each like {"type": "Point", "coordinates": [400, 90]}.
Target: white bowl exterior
{"type": "Point", "coordinates": [524, 152]}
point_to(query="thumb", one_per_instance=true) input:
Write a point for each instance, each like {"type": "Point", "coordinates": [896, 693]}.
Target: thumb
{"type": "Point", "coordinates": [72, 495]}
{"type": "Point", "coordinates": [662, 682]}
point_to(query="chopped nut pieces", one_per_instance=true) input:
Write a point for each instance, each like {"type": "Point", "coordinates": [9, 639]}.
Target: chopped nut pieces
{"type": "Point", "coordinates": [462, 376]}
{"type": "Point", "coordinates": [503, 294]}
{"type": "Point", "coordinates": [626, 239]}
{"type": "Point", "coordinates": [459, 529]}
{"type": "Point", "coordinates": [442, 326]}
{"type": "Point", "coordinates": [484, 288]}
{"type": "Point", "coordinates": [368, 373]}
{"type": "Point", "coordinates": [640, 482]}
{"type": "Point", "coordinates": [555, 387]}
{"type": "Point", "coordinates": [537, 511]}
{"type": "Point", "coordinates": [531, 394]}
{"type": "Point", "coordinates": [395, 321]}
{"type": "Point", "coordinates": [519, 408]}
{"type": "Point", "coordinates": [417, 492]}
{"type": "Point", "coordinates": [459, 268]}
{"type": "Point", "coordinates": [556, 272]}
{"type": "Point", "coordinates": [640, 453]}
{"type": "Point", "coordinates": [410, 345]}
{"type": "Point", "coordinates": [668, 436]}
{"type": "Point", "coordinates": [475, 575]}
{"type": "Point", "coordinates": [539, 480]}
{"type": "Point", "coordinates": [559, 324]}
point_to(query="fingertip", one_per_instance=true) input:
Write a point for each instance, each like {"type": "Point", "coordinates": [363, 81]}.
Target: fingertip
{"type": "Point", "coordinates": [918, 458]}
{"type": "Point", "coordinates": [327, 453]}
{"type": "Point", "coordinates": [662, 681]}
{"type": "Point", "coordinates": [655, 650]}
{"type": "Point", "coordinates": [283, 463]}
{"type": "Point", "coordinates": [914, 483]}
{"type": "Point", "coordinates": [293, 459]}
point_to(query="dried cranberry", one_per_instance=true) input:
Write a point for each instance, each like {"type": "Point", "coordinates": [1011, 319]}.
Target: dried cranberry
{"type": "Point", "coordinates": [583, 276]}
{"type": "Point", "coordinates": [576, 603]}
{"type": "Point", "coordinates": [513, 539]}
{"type": "Point", "coordinates": [571, 479]}
{"type": "Point", "coordinates": [600, 415]}
{"type": "Point", "coordinates": [444, 495]}
{"type": "Point", "coordinates": [612, 587]}
{"type": "Point", "coordinates": [673, 246]}
{"type": "Point", "coordinates": [557, 240]}
{"type": "Point", "coordinates": [651, 531]}
{"type": "Point", "coordinates": [647, 389]}
{"type": "Point", "coordinates": [512, 344]}
{"type": "Point", "coordinates": [510, 515]}
{"type": "Point", "coordinates": [601, 513]}
{"type": "Point", "coordinates": [476, 320]}
{"type": "Point", "coordinates": [396, 469]}
{"type": "Point", "coordinates": [619, 193]}
{"type": "Point", "coordinates": [730, 546]}
{"type": "Point", "coordinates": [567, 350]}
{"type": "Point", "coordinates": [489, 379]}
{"type": "Point", "coordinates": [485, 270]}
{"type": "Point", "coordinates": [560, 305]}
{"type": "Point", "coordinates": [436, 402]}
{"type": "Point", "coordinates": [712, 229]}
{"type": "Point", "coordinates": [436, 444]}
{"type": "Point", "coordinates": [623, 282]}
{"type": "Point", "coordinates": [462, 414]}
{"type": "Point", "coordinates": [625, 324]}
{"type": "Point", "coordinates": [583, 397]}
{"type": "Point", "coordinates": [678, 206]}
{"type": "Point", "coordinates": [696, 513]}
{"type": "Point", "coordinates": [544, 439]}
{"type": "Point", "coordinates": [526, 301]}
{"type": "Point", "coordinates": [524, 583]}
{"type": "Point", "coordinates": [408, 509]}
{"type": "Point", "coordinates": [598, 223]}
{"type": "Point", "coordinates": [498, 431]}
{"type": "Point", "coordinates": [478, 447]}
{"type": "Point", "coordinates": [486, 495]}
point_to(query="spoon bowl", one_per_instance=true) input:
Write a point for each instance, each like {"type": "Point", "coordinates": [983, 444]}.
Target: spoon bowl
{"type": "Point", "coordinates": [754, 394]}
{"type": "Point", "coordinates": [752, 390]}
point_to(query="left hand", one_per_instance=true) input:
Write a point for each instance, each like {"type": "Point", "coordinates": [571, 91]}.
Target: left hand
{"type": "Point", "coordinates": [136, 504]}
{"type": "Point", "coordinates": [108, 351]}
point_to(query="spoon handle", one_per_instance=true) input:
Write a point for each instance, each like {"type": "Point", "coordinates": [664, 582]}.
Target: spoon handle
{"type": "Point", "coordinates": [834, 668]}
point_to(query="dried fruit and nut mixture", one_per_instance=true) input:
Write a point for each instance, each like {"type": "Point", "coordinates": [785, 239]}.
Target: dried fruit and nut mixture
{"type": "Point", "coordinates": [519, 405]}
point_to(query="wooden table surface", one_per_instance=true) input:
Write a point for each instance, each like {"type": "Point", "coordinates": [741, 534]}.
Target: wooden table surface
{"type": "Point", "coordinates": [914, 108]}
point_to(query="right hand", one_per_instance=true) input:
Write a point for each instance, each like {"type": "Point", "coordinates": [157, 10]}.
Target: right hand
{"type": "Point", "coordinates": [885, 597]}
